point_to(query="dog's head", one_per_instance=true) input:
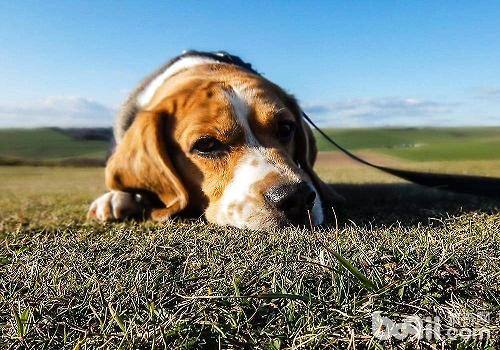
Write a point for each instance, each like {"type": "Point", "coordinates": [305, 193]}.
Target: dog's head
{"type": "Point", "coordinates": [222, 140]}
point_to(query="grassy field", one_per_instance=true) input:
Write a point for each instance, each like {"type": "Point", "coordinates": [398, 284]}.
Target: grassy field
{"type": "Point", "coordinates": [48, 145]}
{"type": "Point", "coordinates": [421, 144]}
{"type": "Point", "coordinates": [67, 283]}
{"type": "Point", "coordinates": [52, 146]}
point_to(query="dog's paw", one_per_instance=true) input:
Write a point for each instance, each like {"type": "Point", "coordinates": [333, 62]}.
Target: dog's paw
{"type": "Point", "coordinates": [115, 206]}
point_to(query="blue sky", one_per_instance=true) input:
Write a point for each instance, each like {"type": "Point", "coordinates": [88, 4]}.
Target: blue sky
{"type": "Point", "coordinates": [365, 63]}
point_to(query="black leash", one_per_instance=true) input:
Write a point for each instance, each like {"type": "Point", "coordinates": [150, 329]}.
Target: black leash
{"type": "Point", "coordinates": [477, 185]}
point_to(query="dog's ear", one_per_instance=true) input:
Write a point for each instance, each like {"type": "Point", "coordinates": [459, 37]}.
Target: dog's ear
{"type": "Point", "coordinates": [305, 155]}
{"type": "Point", "coordinates": [141, 163]}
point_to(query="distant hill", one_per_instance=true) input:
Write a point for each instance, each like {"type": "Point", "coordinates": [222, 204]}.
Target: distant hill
{"type": "Point", "coordinates": [55, 146]}
{"type": "Point", "coordinates": [88, 134]}
{"type": "Point", "coordinates": [84, 146]}
{"type": "Point", "coordinates": [421, 144]}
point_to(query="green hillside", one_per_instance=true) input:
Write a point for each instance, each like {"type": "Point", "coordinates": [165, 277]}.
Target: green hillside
{"type": "Point", "coordinates": [48, 144]}
{"type": "Point", "coordinates": [420, 143]}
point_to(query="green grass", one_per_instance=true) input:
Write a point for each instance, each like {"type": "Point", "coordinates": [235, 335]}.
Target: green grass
{"type": "Point", "coordinates": [450, 151]}
{"type": "Point", "coordinates": [67, 283]}
{"type": "Point", "coordinates": [421, 144]}
{"type": "Point", "coordinates": [47, 144]}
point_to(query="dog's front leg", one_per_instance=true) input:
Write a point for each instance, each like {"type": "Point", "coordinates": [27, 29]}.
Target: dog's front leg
{"type": "Point", "coordinates": [118, 206]}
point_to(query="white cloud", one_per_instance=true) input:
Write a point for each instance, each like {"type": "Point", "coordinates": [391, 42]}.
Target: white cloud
{"type": "Point", "coordinates": [489, 93]}
{"type": "Point", "coordinates": [357, 112]}
{"type": "Point", "coordinates": [57, 111]}
{"type": "Point", "coordinates": [385, 111]}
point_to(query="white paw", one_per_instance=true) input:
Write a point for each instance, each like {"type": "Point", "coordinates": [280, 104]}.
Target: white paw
{"type": "Point", "coordinates": [115, 206]}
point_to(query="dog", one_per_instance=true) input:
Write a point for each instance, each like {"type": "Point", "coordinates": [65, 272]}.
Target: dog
{"type": "Point", "coordinates": [207, 134]}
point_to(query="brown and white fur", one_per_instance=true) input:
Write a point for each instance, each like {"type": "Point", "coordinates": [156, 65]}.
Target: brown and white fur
{"type": "Point", "coordinates": [244, 184]}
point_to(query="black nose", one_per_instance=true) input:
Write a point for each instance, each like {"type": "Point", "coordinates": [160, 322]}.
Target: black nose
{"type": "Point", "coordinates": [294, 200]}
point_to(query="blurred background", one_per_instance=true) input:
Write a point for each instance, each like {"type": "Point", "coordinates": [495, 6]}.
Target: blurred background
{"type": "Point", "coordinates": [407, 83]}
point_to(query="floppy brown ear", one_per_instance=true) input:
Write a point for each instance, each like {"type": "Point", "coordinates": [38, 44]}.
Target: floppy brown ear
{"type": "Point", "coordinates": [306, 152]}
{"type": "Point", "coordinates": [141, 163]}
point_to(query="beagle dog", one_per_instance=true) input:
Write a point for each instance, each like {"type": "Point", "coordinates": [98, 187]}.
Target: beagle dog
{"type": "Point", "coordinates": [207, 134]}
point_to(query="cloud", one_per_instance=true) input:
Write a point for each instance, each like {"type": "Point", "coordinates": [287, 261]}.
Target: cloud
{"type": "Point", "coordinates": [488, 93]}
{"type": "Point", "coordinates": [385, 111]}
{"type": "Point", "coordinates": [357, 112]}
{"type": "Point", "coordinates": [57, 111]}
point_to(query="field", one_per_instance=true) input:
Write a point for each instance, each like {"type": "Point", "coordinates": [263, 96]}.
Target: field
{"type": "Point", "coordinates": [68, 283]}
{"type": "Point", "coordinates": [63, 146]}
{"type": "Point", "coordinates": [47, 145]}
{"type": "Point", "coordinates": [421, 144]}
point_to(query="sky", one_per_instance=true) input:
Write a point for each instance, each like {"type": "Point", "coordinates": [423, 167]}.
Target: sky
{"type": "Point", "coordinates": [349, 63]}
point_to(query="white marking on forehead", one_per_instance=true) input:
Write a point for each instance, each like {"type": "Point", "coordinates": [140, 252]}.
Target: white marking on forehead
{"type": "Point", "coordinates": [239, 98]}
{"type": "Point", "coordinates": [149, 91]}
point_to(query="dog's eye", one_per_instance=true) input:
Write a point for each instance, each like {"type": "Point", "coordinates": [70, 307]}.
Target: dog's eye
{"type": "Point", "coordinates": [286, 130]}
{"type": "Point", "coordinates": [208, 146]}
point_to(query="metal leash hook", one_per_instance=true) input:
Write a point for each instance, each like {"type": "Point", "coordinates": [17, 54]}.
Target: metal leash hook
{"type": "Point", "coordinates": [476, 185]}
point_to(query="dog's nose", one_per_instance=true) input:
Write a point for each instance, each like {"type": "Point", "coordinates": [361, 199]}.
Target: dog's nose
{"type": "Point", "coordinates": [294, 200]}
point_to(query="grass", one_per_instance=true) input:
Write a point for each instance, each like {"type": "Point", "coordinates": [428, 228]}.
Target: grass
{"type": "Point", "coordinates": [47, 144]}
{"type": "Point", "coordinates": [67, 283]}
{"type": "Point", "coordinates": [483, 150]}
{"type": "Point", "coordinates": [421, 144]}
{"type": "Point", "coordinates": [62, 147]}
